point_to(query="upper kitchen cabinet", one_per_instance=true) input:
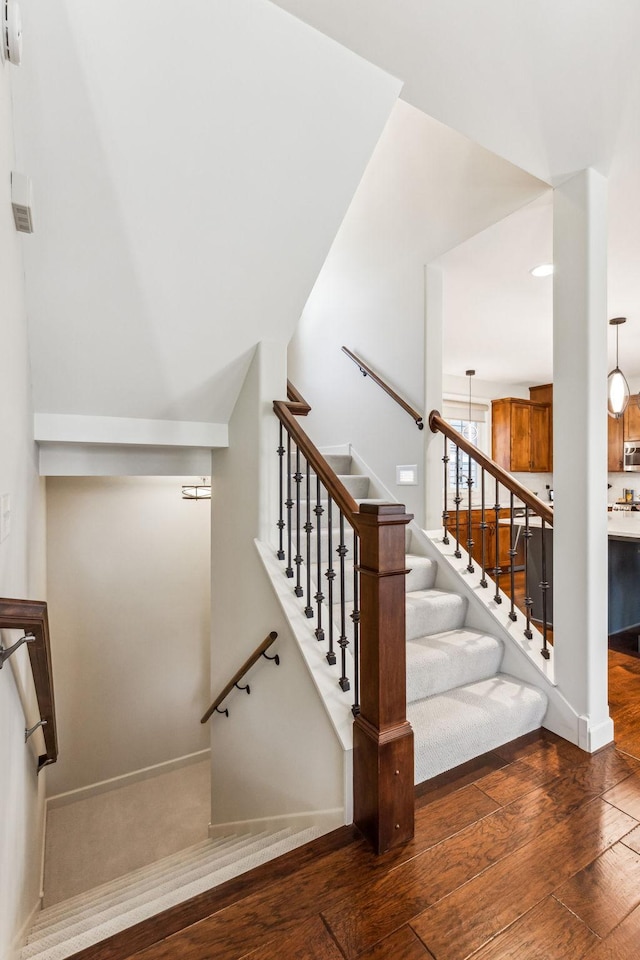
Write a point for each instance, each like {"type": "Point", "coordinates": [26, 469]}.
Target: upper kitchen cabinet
{"type": "Point", "coordinates": [615, 444]}
{"type": "Point", "coordinates": [632, 420]}
{"type": "Point", "coordinates": [521, 435]}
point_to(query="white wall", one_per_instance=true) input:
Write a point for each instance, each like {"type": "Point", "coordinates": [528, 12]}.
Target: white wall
{"type": "Point", "coordinates": [191, 168]}
{"type": "Point", "coordinates": [277, 753]}
{"type": "Point", "coordinates": [21, 572]}
{"type": "Point", "coordinates": [425, 190]}
{"type": "Point", "coordinates": [129, 570]}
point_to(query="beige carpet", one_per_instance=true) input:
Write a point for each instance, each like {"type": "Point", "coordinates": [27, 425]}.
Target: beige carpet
{"type": "Point", "coordinates": [93, 840]}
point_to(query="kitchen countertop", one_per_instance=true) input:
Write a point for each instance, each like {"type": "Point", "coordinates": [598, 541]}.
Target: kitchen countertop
{"type": "Point", "coordinates": [621, 524]}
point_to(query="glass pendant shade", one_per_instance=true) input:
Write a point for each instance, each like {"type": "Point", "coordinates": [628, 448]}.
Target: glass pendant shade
{"type": "Point", "coordinates": [617, 393]}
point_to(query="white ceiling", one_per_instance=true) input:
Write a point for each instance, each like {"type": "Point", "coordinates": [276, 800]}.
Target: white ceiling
{"type": "Point", "coordinates": [160, 176]}
{"type": "Point", "coordinates": [552, 87]}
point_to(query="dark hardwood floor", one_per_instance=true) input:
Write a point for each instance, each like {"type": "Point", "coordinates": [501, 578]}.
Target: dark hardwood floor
{"type": "Point", "coordinates": [531, 852]}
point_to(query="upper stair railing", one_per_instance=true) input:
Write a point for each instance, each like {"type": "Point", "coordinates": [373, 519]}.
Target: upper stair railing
{"type": "Point", "coordinates": [528, 512]}
{"type": "Point", "coordinates": [366, 371]}
{"type": "Point", "coordinates": [358, 552]}
{"type": "Point", "coordinates": [30, 616]}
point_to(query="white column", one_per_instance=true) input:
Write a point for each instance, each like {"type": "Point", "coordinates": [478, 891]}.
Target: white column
{"type": "Point", "coordinates": [580, 452]}
{"type": "Point", "coordinates": [434, 443]}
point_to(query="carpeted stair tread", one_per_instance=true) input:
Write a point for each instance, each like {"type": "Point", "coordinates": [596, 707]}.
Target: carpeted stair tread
{"type": "Point", "coordinates": [453, 727]}
{"type": "Point", "coordinates": [452, 659]}
{"type": "Point", "coordinates": [79, 936]}
{"type": "Point", "coordinates": [433, 611]}
{"type": "Point", "coordinates": [143, 877]}
{"type": "Point", "coordinates": [130, 896]}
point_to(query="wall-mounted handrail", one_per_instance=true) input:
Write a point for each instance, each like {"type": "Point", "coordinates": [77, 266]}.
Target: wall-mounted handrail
{"type": "Point", "coordinates": [366, 371]}
{"type": "Point", "coordinates": [31, 617]}
{"type": "Point", "coordinates": [260, 651]}
{"type": "Point", "coordinates": [537, 564]}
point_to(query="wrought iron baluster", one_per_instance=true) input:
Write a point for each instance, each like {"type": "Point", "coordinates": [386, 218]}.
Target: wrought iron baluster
{"type": "Point", "coordinates": [319, 597]}
{"type": "Point", "coordinates": [544, 586]}
{"type": "Point", "coordinates": [483, 527]}
{"type": "Point", "coordinates": [289, 506]}
{"type": "Point", "coordinates": [298, 557]}
{"type": "Point", "coordinates": [355, 616]}
{"type": "Point", "coordinates": [445, 512]}
{"type": "Point", "coordinates": [512, 557]}
{"type": "Point", "coordinates": [528, 602]}
{"type": "Point", "coordinates": [308, 529]}
{"type": "Point", "coordinates": [470, 566]}
{"type": "Point", "coordinates": [343, 642]}
{"type": "Point", "coordinates": [496, 572]}
{"type": "Point", "coordinates": [330, 575]}
{"type": "Point", "coordinates": [281, 452]}
{"type": "Point", "coordinates": [457, 500]}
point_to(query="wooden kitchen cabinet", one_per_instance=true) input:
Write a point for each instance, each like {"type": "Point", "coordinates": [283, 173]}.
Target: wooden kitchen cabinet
{"type": "Point", "coordinates": [615, 437]}
{"type": "Point", "coordinates": [503, 533]}
{"type": "Point", "coordinates": [521, 435]}
{"type": "Point", "coordinates": [632, 419]}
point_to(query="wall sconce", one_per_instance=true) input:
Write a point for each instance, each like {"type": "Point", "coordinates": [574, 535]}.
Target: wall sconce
{"type": "Point", "coordinates": [617, 387]}
{"type": "Point", "coordinates": [197, 491]}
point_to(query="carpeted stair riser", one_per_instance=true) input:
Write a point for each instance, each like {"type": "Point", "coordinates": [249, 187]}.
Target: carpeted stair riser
{"type": "Point", "coordinates": [452, 659]}
{"type": "Point", "coordinates": [463, 723]}
{"type": "Point", "coordinates": [136, 882]}
{"type": "Point", "coordinates": [74, 940]}
{"type": "Point", "coordinates": [175, 862]}
{"type": "Point", "coordinates": [100, 912]}
{"type": "Point", "coordinates": [421, 575]}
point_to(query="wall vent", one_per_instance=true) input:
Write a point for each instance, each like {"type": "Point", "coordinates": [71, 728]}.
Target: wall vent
{"type": "Point", "coordinates": [21, 202]}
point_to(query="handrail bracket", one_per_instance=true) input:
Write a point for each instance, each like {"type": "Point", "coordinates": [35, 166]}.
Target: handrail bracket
{"type": "Point", "coordinates": [6, 652]}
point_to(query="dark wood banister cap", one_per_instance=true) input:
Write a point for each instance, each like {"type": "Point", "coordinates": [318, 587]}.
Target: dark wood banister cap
{"type": "Point", "coordinates": [439, 425]}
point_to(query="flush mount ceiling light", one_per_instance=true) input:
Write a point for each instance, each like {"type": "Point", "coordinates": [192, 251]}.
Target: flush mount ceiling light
{"type": "Point", "coordinates": [11, 45]}
{"type": "Point", "coordinates": [542, 270]}
{"type": "Point", "coordinates": [197, 491]}
{"type": "Point", "coordinates": [617, 386]}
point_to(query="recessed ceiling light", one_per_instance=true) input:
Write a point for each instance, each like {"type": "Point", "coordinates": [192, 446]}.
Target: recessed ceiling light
{"type": "Point", "coordinates": [542, 270]}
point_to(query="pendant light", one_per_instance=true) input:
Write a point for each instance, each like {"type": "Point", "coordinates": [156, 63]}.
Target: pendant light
{"type": "Point", "coordinates": [617, 386]}
{"type": "Point", "coordinates": [197, 491]}
{"type": "Point", "coordinates": [470, 432]}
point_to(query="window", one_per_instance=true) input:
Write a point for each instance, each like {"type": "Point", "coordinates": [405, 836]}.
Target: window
{"type": "Point", "coordinates": [473, 429]}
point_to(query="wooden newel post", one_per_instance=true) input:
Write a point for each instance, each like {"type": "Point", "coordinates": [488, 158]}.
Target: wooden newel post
{"type": "Point", "coordinates": [382, 737]}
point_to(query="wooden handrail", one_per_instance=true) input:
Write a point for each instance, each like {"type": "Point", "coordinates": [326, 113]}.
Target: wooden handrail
{"type": "Point", "coordinates": [297, 403]}
{"type": "Point", "coordinates": [368, 372]}
{"type": "Point", "coordinates": [239, 674]}
{"type": "Point", "coordinates": [285, 412]}
{"type": "Point", "coordinates": [31, 617]}
{"type": "Point", "coordinates": [539, 507]}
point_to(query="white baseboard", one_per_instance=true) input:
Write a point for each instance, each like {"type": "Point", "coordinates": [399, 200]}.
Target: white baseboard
{"type": "Point", "coordinates": [592, 738]}
{"type": "Point", "coordinates": [20, 938]}
{"type": "Point", "coordinates": [325, 820]}
{"type": "Point", "coordinates": [114, 783]}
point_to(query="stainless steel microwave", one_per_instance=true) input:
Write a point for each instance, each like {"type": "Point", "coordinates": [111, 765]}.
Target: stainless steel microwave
{"type": "Point", "coordinates": [632, 455]}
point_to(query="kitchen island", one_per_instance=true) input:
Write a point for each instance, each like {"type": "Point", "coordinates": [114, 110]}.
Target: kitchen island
{"type": "Point", "coordinates": [623, 529]}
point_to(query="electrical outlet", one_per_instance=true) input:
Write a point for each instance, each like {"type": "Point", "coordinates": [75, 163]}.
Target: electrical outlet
{"type": "Point", "coordinates": [5, 516]}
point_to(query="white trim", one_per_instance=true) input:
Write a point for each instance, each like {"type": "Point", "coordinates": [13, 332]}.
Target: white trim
{"type": "Point", "coordinates": [114, 783]}
{"type": "Point", "coordinates": [122, 431]}
{"type": "Point", "coordinates": [594, 738]}
{"type": "Point", "coordinates": [20, 939]}
{"type": "Point", "coordinates": [324, 820]}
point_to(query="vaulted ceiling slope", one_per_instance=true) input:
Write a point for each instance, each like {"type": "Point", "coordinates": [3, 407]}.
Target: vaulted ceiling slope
{"type": "Point", "coordinates": [191, 166]}
{"type": "Point", "coordinates": [545, 85]}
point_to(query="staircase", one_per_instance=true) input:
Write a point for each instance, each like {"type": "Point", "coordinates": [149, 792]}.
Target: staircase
{"type": "Point", "coordinates": [459, 703]}
{"type": "Point", "coordinates": [72, 925]}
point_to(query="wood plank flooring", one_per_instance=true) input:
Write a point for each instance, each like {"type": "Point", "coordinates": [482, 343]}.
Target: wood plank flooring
{"type": "Point", "coordinates": [531, 852]}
